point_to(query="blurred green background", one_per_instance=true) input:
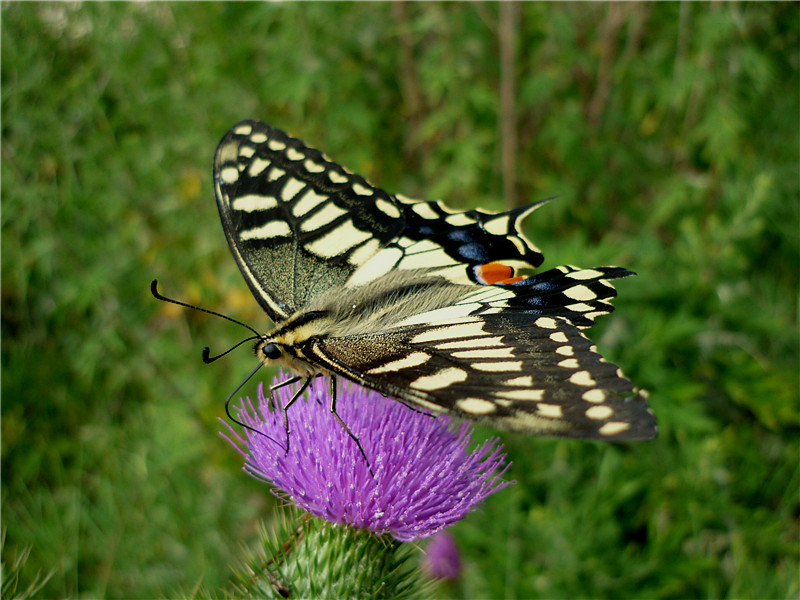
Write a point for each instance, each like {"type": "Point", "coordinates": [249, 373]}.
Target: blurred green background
{"type": "Point", "coordinates": [669, 133]}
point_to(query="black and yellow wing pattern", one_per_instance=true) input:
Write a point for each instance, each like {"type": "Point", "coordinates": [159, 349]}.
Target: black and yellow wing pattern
{"type": "Point", "coordinates": [424, 304]}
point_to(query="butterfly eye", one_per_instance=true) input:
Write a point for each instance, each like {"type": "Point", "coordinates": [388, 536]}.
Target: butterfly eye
{"type": "Point", "coordinates": [271, 351]}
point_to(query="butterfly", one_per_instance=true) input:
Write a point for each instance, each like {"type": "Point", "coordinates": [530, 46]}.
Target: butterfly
{"type": "Point", "coordinates": [427, 305]}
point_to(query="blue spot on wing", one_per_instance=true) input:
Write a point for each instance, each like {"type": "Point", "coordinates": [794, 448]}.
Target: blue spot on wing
{"type": "Point", "coordinates": [473, 252]}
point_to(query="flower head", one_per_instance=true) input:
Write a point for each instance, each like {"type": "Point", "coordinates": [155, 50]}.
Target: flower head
{"type": "Point", "coordinates": [441, 557]}
{"type": "Point", "coordinates": [425, 478]}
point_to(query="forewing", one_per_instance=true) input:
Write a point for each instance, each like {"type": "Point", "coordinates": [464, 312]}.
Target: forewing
{"type": "Point", "coordinates": [511, 370]}
{"type": "Point", "coordinates": [297, 223]}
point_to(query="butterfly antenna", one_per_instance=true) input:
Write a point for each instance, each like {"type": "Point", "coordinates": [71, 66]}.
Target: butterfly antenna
{"type": "Point", "coordinates": [159, 296]}
{"type": "Point", "coordinates": [208, 359]}
{"type": "Point", "coordinates": [237, 421]}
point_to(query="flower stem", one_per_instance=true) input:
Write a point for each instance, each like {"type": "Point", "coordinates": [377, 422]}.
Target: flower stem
{"type": "Point", "coordinates": [307, 557]}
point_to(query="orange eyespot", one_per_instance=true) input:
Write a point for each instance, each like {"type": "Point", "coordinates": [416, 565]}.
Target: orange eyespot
{"type": "Point", "coordinates": [495, 272]}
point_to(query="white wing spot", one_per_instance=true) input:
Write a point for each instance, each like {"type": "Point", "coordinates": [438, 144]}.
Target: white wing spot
{"type": "Point", "coordinates": [467, 328]}
{"type": "Point", "coordinates": [494, 367]}
{"type": "Point", "coordinates": [440, 314]}
{"type": "Point", "coordinates": [361, 190]}
{"type": "Point", "coordinates": [387, 208]}
{"type": "Point", "coordinates": [257, 166]}
{"type": "Point", "coordinates": [497, 226]}
{"type": "Point", "coordinates": [229, 174]}
{"type": "Point", "coordinates": [336, 177]}
{"type": "Point", "coordinates": [484, 342]}
{"type": "Point", "coordinates": [529, 422]}
{"type": "Point", "coordinates": [258, 138]}
{"type": "Point", "coordinates": [412, 360]}
{"type": "Point", "coordinates": [550, 410]}
{"type": "Point", "coordinates": [569, 363]}
{"type": "Point", "coordinates": [439, 380]}
{"type": "Point", "coordinates": [270, 230]}
{"type": "Point", "coordinates": [529, 395]}
{"type": "Point", "coordinates": [275, 174]}
{"type": "Point", "coordinates": [243, 129]}
{"type": "Point", "coordinates": [584, 274]}
{"type": "Point", "coordinates": [445, 208]}
{"type": "Point", "coordinates": [580, 307]}
{"type": "Point", "coordinates": [363, 253]}
{"type": "Point", "coordinates": [476, 406]}
{"type": "Point", "coordinates": [291, 188]}
{"type": "Point", "coordinates": [252, 202]}
{"type": "Point", "coordinates": [524, 381]}
{"type": "Point", "coordinates": [597, 396]}
{"type": "Point", "coordinates": [294, 154]}
{"type": "Point", "coordinates": [565, 350]}
{"type": "Point", "coordinates": [599, 413]}
{"type": "Point", "coordinates": [246, 151]}
{"type": "Point", "coordinates": [313, 167]}
{"type": "Point", "coordinates": [338, 240]}
{"type": "Point", "coordinates": [327, 214]}
{"type": "Point", "coordinates": [595, 314]}
{"type": "Point", "coordinates": [424, 210]}
{"type": "Point", "coordinates": [381, 263]}
{"type": "Point", "coordinates": [546, 323]}
{"type": "Point", "coordinates": [559, 337]}
{"type": "Point", "coordinates": [276, 145]}
{"type": "Point", "coordinates": [614, 427]}
{"type": "Point", "coordinates": [309, 200]}
{"type": "Point", "coordinates": [459, 219]}
{"type": "Point", "coordinates": [580, 292]}
{"type": "Point", "coordinates": [489, 353]}
{"type": "Point", "coordinates": [582, 378]}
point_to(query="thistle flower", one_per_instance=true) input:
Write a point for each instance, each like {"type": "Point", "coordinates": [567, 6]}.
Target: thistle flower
{"type": "Point", "coordinates": [425, 478]}
{"type": "Point", "coordinates": [441, 557]}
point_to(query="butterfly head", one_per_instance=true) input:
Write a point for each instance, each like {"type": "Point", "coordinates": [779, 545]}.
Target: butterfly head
{"type": "Point", "coordinates": [271, 352]}
{"type": "Point", "coordinates": [267, 351]}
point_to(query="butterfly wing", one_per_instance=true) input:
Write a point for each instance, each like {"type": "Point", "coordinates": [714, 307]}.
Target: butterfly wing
{"type": "Point", "coordinates": [510, 352]}
{"type": "Point", "coordinates": [299, 224]}
{"type": "Point", "coordinates": [514, 358]}
{"type": "Point", "coordinates": [512, 371]}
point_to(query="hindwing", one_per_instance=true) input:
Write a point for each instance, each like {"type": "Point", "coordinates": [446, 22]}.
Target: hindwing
{"type": "Point", "coordinates": [512, 357]}
{"type": "Point", "coordinates": [512, 371]}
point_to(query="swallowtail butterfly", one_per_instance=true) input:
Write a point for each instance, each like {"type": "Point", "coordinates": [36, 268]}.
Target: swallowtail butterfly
{"type": "Point", "coordinates": [422, 303]}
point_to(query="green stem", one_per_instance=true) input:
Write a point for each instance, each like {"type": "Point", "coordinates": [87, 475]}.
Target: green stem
{"type": "Point", "coordinates": [307, 557]}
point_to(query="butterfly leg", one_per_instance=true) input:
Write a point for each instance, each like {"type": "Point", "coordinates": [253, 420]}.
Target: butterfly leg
{"type": "Point", "coordinates": [278, 386]}
{"type": "Point", "coordinates": [298, 393]}
{"type": "Point", "coordinates": [344, 425]}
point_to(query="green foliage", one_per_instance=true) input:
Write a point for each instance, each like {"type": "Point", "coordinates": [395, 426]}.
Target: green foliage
{"type": "Point", "coordinates": [669, 132]}
{"type": "Point", "coordinates": [12, 573]}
